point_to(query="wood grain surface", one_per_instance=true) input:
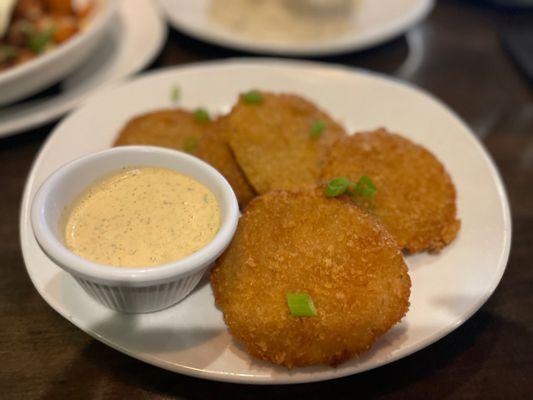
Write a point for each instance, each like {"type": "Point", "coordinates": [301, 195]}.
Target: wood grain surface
{"type": "Point", "coordinates": [455, 54]}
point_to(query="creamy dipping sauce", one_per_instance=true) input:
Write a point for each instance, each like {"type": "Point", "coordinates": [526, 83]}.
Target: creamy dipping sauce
{"type": "Point", "coordinates": [285, 21]}
{"type": "Point", "coordinates": [142, 217]}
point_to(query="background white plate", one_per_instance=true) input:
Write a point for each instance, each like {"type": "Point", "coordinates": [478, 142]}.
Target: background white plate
{"type": "Point", "coordinates": [135, 38]}
{"type": "Point", "coordinates": [191, 337]}
{"type": "Point", "coordinates": [376, 21]}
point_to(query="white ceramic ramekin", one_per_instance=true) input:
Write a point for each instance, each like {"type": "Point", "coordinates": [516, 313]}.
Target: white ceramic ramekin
{"type": "Point", "coordinates": [130, 290]}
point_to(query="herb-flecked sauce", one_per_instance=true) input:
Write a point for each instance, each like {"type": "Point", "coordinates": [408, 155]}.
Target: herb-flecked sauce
{"type": "Point", "coordinates": [142, 217]}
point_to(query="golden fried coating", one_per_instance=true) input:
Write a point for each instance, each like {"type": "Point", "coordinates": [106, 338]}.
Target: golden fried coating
{"type": "Point", "coordinates": [174, 128]}
{"type": "Point", "coordinates": [415, 197]}
{"type": "Point", "coordinates": [330, 249]}
{"type": "Point", "coordinates": [214, 149]}
{"type": "Point", "coordinates": [273, 144]}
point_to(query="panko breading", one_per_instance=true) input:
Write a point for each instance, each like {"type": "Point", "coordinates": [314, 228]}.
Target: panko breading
{"type": "Point", "coordinates": [272, 142]}
{"type": "Point", "coordinates": [332, 250]}
{"type": "Point", "coordinates": [214, 149]}
{"type": "Point", "coordinates": [174, 128]}
{"type": "Point", "coordinates": [415, 197]}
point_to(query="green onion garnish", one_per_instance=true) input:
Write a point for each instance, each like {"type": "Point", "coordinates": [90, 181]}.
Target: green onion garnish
{"type": "Point", "coordinates": [301, 305]}
{"type": "Point", "coordinates": [190, 144]}
{"type": "Point", "coordinates": [337, 186]}
{"type": "Point", "coordinates": [317, 127]}
{"type": "Point", "coordinates": [362, 193]}
{"type": "Point", "coordinates": [175, 94]}
{"type": "Point", "coordinates": [253, 97]}
{"type": "Point", "coordinates": [202, 115]}
{"type": "Point", "coordinates": [37, 41]}
{"type": "Point", "coordinates": [365, 187]}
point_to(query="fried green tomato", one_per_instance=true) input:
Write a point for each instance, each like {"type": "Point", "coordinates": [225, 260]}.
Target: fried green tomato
{"type": "Point", "coordinates": [174, 128]}
{"type": "Point", "coordinates": [280, 140]}
{"type": "Point", "coordinates": [303, 242]}
{"type": "Point", "coordinates": [415, 197]}
{"type": "Point", "coordinates": [214, 149]}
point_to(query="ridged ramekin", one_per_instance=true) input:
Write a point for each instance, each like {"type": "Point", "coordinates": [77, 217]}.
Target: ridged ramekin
{"type": "Point", "coordinates": [130, 290]}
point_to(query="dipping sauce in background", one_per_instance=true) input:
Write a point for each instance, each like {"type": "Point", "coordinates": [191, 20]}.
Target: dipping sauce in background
{"type": "Point", "coordinates": [142, 217]}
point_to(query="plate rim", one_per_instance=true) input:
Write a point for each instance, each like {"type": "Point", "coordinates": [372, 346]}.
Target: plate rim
{"type": "Point", "coordinates": [40, 118]}
{"type": "Point", "coordinates": [24, 225]}
{"type": "Point", "coordinates": [321, 49]}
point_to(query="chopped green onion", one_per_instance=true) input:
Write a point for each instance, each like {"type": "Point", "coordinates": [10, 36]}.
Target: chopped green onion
{"type": "Point", "coordinates": [253, 97]}
{"type": "Point", "coordinates": [301, 305]}
{"type": "Point", "coordinates": [337, 186]}
{"type": "Point", "coordinates": [317, 128]}
{"type": "Point", "coordinates": [37, 41]}
{"type": "Point", "coordinates": [365, 187]}
{"type": "Point", "coordinates": [202, 115]}
{"type": "Point", "coordinates": [175, 94]}
{"type": "Point", "coordinates": [190, 144]}
{"type": "Point", "coordinates": [361, 193]}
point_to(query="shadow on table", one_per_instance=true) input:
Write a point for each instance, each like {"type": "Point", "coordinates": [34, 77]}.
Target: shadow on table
{"type": "Point", "coordinates": [21, 139]}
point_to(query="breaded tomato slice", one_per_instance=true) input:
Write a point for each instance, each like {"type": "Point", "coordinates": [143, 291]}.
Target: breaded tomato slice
{"type": "Point", "coordinates": [415, 197]}
{"type": "Point", "coordinates": [280, 140]}
{"type": "Point", "coordinates": [173, 128]}
{"type": "Point", "coordinates": [303, 242]}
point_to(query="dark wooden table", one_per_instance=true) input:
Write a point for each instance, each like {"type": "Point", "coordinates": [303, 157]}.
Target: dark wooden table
{"type": "Point", "coordinates": [455, 54]}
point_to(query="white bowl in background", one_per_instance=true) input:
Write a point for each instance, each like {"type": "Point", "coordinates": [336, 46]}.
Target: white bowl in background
{"type": "Point", "coordinates": [374, 22]}
{"type": "Point", "coordinates": [119, 55]}
{"type": "Point", "coordinates": [46, 69]}
{"type": "Point", "coordinates": [130, 290]}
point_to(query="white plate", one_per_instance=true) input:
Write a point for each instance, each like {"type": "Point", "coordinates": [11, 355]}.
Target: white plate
{"type": "Point", "coordinates": [135, 38]}
{"type": "Point", "coordinates": [191, 337]}
{"type": "Point", "coordinates": [375, 22]}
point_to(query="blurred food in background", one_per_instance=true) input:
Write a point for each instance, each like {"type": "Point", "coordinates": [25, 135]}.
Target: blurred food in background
{"type": "Point", "coordinates": [285, 20]}
{"type": "Point", "coordinates": [29, 28]}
